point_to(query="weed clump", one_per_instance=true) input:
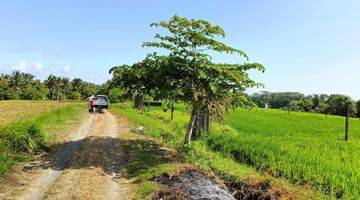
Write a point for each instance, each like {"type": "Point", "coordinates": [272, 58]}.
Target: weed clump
{"type": "Point", "coordinates": [20, 139]}
{"type": "Point", "coordinates": [24, 137]}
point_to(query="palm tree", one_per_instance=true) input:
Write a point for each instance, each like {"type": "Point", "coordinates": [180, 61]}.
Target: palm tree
{"type": "Point", "coordinates": [52, 83]}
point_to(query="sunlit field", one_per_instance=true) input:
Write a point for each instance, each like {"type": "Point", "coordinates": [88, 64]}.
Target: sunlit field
{"type": "Point", "coordinates": [11, 111]}
{"type": "Point", "coordinates": [158, 125]}
{"type": "Point", "coordinates": [28, 126]}
{"type": "Point", "coordinates": [303, 147]}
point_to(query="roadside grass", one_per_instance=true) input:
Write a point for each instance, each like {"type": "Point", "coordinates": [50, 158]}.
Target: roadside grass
{"type": "Point", "coordinates": [157, 125]}
{"type": "Point", "coordinates": [305, 148]}
{"type": "Point", "coordinates": [146, 159]}
{"type": "Point", "coordinates": [19, 140]}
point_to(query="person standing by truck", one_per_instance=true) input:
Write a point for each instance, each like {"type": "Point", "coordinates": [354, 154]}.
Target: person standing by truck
{"type": "Point", "coordinates": [91, 104]}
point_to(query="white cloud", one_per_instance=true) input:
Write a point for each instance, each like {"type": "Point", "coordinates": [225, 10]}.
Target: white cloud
{"type": "Point", "coordinates": [66, 69]}
{"type": "Point", "coordinates": [22, 66]}
{"type": "Point", "coordinates": [25, 66]}
{"type": "Point", "coordinates": [38, 66]}
{"type": "Point", "coordinates": [40, 69]}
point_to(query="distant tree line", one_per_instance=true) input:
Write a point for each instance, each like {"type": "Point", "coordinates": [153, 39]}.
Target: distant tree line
{"type": "Point", "coordinates": [23, 86]}
{"type": "Point", "coordinates": [334, 104]}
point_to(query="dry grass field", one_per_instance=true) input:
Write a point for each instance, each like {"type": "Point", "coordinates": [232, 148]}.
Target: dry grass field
{"type": "Point", "coordinates": [28, 126]}
{"type": "Point", "coordinates": [12, 111]}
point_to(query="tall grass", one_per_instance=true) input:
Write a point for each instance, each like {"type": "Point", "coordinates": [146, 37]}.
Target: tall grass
{"type": "Point", "coordinates": [303, 147]}
{"type": "Point", "coordinates": [20, 139]}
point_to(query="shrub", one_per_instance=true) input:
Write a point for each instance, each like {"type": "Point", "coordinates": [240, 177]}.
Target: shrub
{"type": "Point", "coordinates": [116, 95]}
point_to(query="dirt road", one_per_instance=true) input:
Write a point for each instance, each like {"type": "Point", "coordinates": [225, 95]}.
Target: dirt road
{"type": "Point", "coordinates": [87, 166]}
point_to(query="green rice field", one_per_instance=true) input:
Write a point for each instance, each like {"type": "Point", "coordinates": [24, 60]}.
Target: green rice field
{"type": "Point", "coordinates": [305, 148]}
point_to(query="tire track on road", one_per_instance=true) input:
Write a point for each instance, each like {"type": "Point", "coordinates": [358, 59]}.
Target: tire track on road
{"type": "Point", "coordinates": [39, 186]}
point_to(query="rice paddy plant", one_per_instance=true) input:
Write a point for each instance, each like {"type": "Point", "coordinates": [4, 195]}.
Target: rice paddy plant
{"type": "Point", "coordinates": [306, 148]}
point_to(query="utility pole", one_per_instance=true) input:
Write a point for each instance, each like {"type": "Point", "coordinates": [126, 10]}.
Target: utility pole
{"type": "Point", "coordinates": [347, 123]}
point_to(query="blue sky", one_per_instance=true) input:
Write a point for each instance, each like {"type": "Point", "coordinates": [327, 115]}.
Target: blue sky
{"type": "Point", "coordinates": [310, 46]}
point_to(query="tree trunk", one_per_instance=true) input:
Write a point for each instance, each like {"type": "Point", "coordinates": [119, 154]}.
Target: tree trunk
{"type": "Point", "coordinates": [171, 114]}
{"type": "Point", "coordinates": [199, 122]}
{"type": "Point", "coordinates": [190, 127]}
{"type": "Point", "coordinates": [139, 101]}
{"type": "Point", "coordinates": [206, 120]}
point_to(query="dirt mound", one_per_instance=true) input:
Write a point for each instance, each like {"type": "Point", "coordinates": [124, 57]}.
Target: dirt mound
{"type": "Point", "coordinates": [252, 191]}
{"type": "Point", "coordinates": [191, 184]}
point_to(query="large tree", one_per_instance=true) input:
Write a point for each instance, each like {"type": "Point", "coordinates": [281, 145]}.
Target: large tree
{"type": "Point", "coordinates": [205, 85]}
{"type": "Point", "coordinates": [261, 99]}
{"type": "Point", "coordinates": [18, 82]}
{"type": "Point", "coordinates": [283, 99]}
{"type": "Point", "coordinates": [338, 105]}
{"type": "Point", "coordinates": [52, 84]}
{"type": "Point", "coordinates": [131, 78]}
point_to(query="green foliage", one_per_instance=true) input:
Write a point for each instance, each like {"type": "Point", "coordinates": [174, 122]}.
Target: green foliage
{"type": "Point", "coordinates": [134, 78]}
{"type": "Point", "coordinates": [240, 99]}
{"type": "Point", "coordinates": [54, 85]}
{"type": "Point", "coordinates": [117, 95]}
{"type": "Point", "coordinates": [304, 105]}
{"type": "Point", "coordinates": [75, 95]}
{"type": "Point", "coordinates": [276, 100]}
{"type": "Point", "coordinates": [338, 105]}
{"type": "Point", "coordinates": [23, 137]}
{"type": "Point", "coordinates": [189, 68]}
{"type": "Point", "coordinates": [320, 103]}
{"type": "Point", "coordinates": [104, 88]}
{"type": "Point", "coordinates": [4, 85]}
{"type": "Point", "coordinates": [19, 85]}
{"type": "Point", "coordinates": [187, 73]}
{"type": "Point", "coordinates": [23, 86]}
{"type": "Point", "coordinates": [302, 147]}
{"type": "Point", "coordinates": [64, 88]}
{"type": "Point", "coordinates": [261, 99]}
{"type": "Point", "coordinates": [334, 104]}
